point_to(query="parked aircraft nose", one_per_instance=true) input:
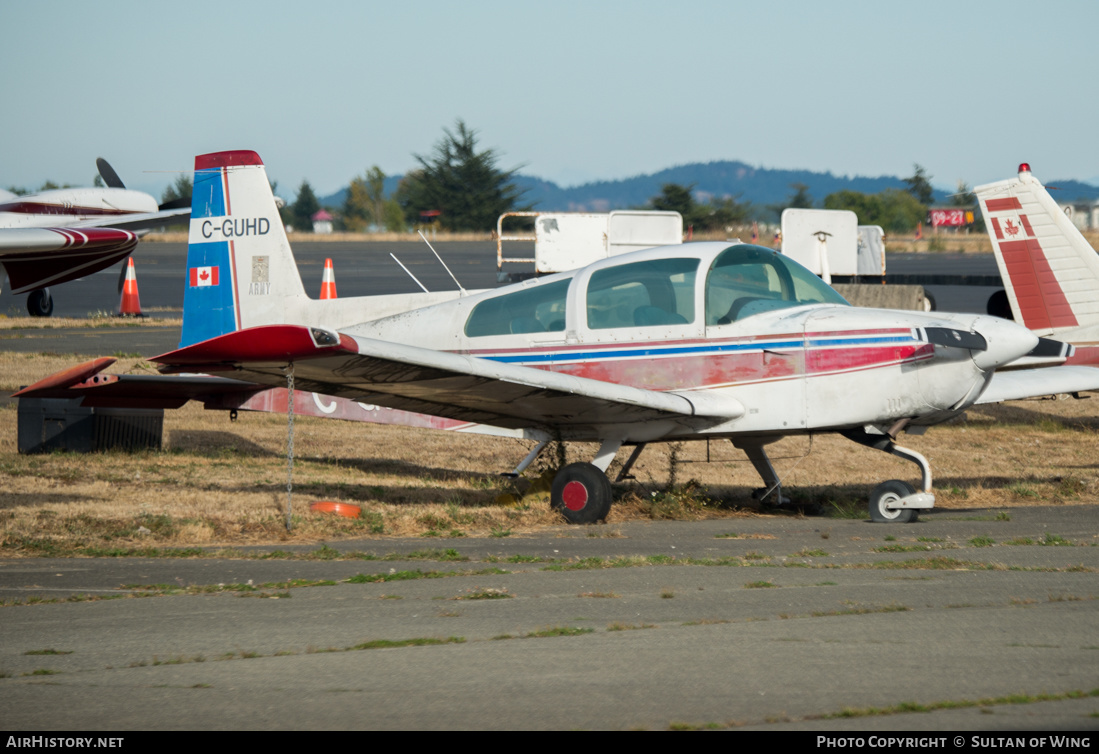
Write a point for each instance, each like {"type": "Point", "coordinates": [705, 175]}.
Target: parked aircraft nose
{"type": "Point", "coordinates": [1006, 341]}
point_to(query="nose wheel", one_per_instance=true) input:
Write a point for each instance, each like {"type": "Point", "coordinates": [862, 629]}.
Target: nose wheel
{"type": "Point", "coordinates": [889, 494]}
{"type": "Point", "coordinates": [896, 502]}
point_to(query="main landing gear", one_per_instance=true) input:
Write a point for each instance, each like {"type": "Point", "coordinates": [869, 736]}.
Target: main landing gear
{"type": "Point", "coordinates": [770, 496]}
{"type": "Point", "coordinates": [581, 492]}
{"type": "Point", "coordinates": [40, 303]}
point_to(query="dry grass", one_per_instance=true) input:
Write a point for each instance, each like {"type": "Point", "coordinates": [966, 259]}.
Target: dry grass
{"type": "Point", "coordinates": [222, 483]}
{"type": "Point", "coordinates": [154, 317]}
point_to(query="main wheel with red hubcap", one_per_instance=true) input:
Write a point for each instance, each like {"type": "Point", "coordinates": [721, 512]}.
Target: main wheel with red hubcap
{"type": "Point", "coordinates": [582, 493]}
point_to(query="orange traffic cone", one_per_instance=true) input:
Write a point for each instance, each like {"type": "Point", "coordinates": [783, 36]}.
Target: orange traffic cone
{"type": "Point", "coordinates": [328, 281]}
{"type": "Point", "coordinates": [130, 304]}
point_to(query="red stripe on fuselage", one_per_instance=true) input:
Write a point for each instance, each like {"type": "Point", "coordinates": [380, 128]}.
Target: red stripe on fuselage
{"type": "Point", "coordinates": [714, 369]}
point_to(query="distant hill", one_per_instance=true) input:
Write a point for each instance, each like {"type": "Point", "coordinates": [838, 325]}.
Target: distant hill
{"type": "Point", "coordinates": [1070, 191]}
{"type": "Point", "coordinates": [761, 187]}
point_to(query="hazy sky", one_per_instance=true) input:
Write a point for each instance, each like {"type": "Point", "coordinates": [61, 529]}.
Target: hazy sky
{"type": "Point", "coordinates": [570, 91]}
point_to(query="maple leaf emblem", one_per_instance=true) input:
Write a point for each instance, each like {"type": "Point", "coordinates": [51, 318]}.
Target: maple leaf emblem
{"type": "Point", "coordinates": [1011, 228]}
{"type": "Point", "coordinates": [204, 275]}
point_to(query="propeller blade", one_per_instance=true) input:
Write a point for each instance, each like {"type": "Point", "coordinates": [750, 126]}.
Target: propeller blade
{"type": "Point", "coordinates": [1048, 347]}
{"type": "Point", "coordinates": [106, 172]}
{"type": "Point", "coordinates": [122, 274]}
{"type": "Point", "coordinates": [945, 336]}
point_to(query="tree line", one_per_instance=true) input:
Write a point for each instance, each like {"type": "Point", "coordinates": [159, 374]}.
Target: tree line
{"type": "Point", "coordinates": [459, 187]}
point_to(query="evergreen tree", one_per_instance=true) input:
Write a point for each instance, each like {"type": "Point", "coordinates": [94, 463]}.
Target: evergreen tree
{"type": "Point", "coordinates": [675, 198]}
{"type": "Point", "coordinates": [801, 198]}
{"type": "Point", "coordinates": [179, 189]}
{"type": "Point", "coordinates": [304, 207]}
{"type": "Point", "coordinates": [919, 185]}
{"type": "Point", "coordinates": [462, 184]}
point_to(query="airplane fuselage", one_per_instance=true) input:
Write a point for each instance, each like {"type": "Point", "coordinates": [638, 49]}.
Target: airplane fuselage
{"type": "Point", "coordinates": [66, 207]}
{"type": "Point", "coordinates": [798, 366]}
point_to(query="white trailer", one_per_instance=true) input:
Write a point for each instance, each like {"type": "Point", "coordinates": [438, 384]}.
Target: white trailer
{"type": "Point", "coordinates": [848, 256]}
{"type": "Point", "coordinates": [568, 240]}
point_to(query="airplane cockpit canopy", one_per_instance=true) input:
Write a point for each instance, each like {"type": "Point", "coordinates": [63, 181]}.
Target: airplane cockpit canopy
{"type": "Point", "coordinates": [747, 279]}
{"type": "Point", "coordinates": [659, 291]}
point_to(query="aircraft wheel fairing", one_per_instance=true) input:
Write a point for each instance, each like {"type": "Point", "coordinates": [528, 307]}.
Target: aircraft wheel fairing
{"type": "Point", "coordinates": [581, 493]}
{"type": "Point", "coordinates": [40, 303]}
{"type": "Point", "coordinates": [890, 492]}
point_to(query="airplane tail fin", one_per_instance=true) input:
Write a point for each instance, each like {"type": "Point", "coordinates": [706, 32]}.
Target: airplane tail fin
{"type": "Point", "coordinates": [1050, 272]}
{"type": "Point", "coordinates": [240, 269]}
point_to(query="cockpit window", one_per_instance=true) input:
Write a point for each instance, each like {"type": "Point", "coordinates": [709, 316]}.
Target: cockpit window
{"type": "Point", "coordinates": [643, 294]}
{"type": "Point", "coordinates": [540, 308]}
{"type": "Point", "coordinates": [746, 280]}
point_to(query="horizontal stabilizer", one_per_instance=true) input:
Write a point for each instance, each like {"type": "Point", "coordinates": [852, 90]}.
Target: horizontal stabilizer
{"type": "Point", "coordinates": [1036, 383]}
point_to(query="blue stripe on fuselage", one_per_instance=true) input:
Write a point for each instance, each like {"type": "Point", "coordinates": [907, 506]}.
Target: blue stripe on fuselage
{"type": "Point", "coordinates": [649, 351]}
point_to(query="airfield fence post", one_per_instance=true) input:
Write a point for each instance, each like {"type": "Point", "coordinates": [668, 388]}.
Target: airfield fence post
{"type": "Point", "coordinates": [289, 442]}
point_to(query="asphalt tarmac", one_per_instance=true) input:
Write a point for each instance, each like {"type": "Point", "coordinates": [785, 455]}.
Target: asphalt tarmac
{"type": "Point", "coordinates": [983, 620]}
{"type": "Point", "coordinates": [772, 622]}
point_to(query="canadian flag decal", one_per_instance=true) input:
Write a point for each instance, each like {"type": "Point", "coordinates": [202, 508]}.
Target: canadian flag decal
{"type": "Point", "coordinates": [201, 276]}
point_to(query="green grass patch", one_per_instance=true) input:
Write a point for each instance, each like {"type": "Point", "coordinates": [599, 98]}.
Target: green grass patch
{"type": "Point", "coordinates": [391, 644]}
{"type": "Point", "coordinates": [558, 631]}
{"type": "Point", "coordinates": [1055, 540]}
{"type": "Point", "coordinates": [760, 585]}
{"type": "Point", "coordinates": [861, 610]}
{"type": "Point", "coordinates": [478, 593]}
{"type": "Point", "coordinates": [906, 707]}
{"type": "Point", "coordinates": [431, 554]}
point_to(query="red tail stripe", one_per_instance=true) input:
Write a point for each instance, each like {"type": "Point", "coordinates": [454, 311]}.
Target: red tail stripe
{"type": "Point", "coordinates": [999, 205]}
{"type": "Point", "coordinates": [1042, 303]}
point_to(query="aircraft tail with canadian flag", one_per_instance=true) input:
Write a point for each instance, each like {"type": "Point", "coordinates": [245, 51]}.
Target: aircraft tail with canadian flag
{"type": "Point", "coordinates": [1050, 272]}
{"type": "Point", "coordinates": [241, 272]}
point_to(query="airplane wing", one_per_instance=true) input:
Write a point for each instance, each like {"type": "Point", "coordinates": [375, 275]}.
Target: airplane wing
{"type": "Point", "coordinates": [38, 257]}
{"type": "Point", "coordinates": [449, 385]}
{"type": "Point", "coordinates": [1034, 383]}
{"type": "Point", "coordinates": [139, 221]}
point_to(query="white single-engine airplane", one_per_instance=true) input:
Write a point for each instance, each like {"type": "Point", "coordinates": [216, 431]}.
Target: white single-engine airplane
{"type": "Point", "coordinates": [702, 340]}
{"type": "Point", "coordinates": [56, 236]}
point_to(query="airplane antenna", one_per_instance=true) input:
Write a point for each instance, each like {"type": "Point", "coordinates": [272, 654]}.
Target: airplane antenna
{"type": "Point", "coordinates": [463, 290]}
{"type": "Point", "coordinates": [398, 261]}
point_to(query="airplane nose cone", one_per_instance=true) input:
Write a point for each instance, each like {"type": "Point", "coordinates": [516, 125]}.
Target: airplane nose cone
{"type": "Point", "coordinates": [1006, 340]}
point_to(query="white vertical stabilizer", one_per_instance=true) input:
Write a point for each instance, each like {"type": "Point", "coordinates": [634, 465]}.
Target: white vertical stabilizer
{"type": "Point", "coordinates": [1050, 272]}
